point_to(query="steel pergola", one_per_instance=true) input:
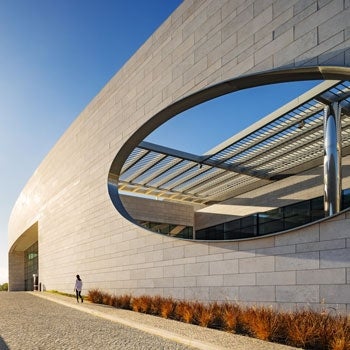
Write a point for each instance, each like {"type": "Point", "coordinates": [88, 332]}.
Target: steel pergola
{"type": "Point", "coordinates": [284, 143]}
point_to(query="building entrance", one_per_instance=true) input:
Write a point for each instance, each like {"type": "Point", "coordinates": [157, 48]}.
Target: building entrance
{"type": "Point", "coordinates": [31, 267]}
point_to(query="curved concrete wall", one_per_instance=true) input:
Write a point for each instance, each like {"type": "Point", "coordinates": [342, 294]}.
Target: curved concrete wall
{"type": "Point", "coordinates": [79, 230]}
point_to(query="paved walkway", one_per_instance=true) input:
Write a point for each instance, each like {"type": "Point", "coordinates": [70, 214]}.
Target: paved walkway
{"type": "Point", "coordinates": [42, 320]}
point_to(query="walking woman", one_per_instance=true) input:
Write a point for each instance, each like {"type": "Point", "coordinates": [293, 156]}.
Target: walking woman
{"type": "Point", "coordinates": [78, 287]}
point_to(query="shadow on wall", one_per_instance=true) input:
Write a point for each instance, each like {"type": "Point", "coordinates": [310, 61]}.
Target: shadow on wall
{"type": "Point", "coordinates": [285, 195]}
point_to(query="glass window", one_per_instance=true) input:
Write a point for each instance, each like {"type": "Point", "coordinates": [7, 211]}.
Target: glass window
{"type": "Point", "coordinates": [297, 214]}
{"type": "Point", "coordinates": [30, 266]}
{"type": "Point", "coordinates": [275, 220]}
{"type": "Point", "coordinates": [346, 199]}
{"type": "Point", "coordinates": [317, 208]}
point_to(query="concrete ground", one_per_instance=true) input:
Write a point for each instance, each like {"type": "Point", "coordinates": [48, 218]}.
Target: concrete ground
{"type": "Point", "coordinates": [43, 320]}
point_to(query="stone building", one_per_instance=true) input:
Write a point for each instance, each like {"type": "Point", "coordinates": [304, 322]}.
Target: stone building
{"type": "Point", "coordinates": [262, 218]}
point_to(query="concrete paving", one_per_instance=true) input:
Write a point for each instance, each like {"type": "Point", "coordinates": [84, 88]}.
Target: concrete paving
{"type": "Point", "coordinates": [43, 320]}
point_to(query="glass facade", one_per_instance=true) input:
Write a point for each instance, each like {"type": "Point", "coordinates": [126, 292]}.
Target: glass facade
{"type": "Point", "coordinates": [259, 224]}
{"type": "Point", "coordinates": [31, 266]}
{"type": "Point", "coordinates": [168, 229]}
{"type": "Point", "coordinates": [272, 221]}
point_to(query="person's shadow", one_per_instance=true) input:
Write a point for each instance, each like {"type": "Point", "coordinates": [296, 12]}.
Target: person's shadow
{"type": "Point", "coordinates": [3, 345]}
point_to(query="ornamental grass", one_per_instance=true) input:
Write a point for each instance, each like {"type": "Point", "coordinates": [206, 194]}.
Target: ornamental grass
{"type": "Point", "coordinates": [303, 328]}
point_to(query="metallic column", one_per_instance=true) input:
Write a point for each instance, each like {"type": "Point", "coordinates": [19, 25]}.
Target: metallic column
{"type": "Point", "coordinates": [332, 159]}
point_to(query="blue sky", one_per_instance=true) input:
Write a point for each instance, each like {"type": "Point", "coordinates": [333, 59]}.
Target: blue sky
{"type": "Point", "coordinates": [57, 55]}
{"type": "Point", "coordinates": [223, 117]}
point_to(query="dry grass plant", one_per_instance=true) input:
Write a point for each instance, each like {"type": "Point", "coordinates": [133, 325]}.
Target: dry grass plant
{"type": "Point", "coordinates": [106, 299]}
{"type": "Point", "coordinates": [155, 305]}
{"type": "Point", "coordinates": [313, 330]}
{"type": "Point", "coordinates": [141, 303]}
{"type": "Point", "coordinates": [185, 311]}
{"type": "Point", "coordinates": [262, 323]}
{"type": "Point", "coordinates": [207, 315]}
{"type": "Point", "coordinates": [111, 300]}
{"type": "Point", "coordinates": [95, 296]}
{"type": "Point", "coordinates": [123, 302]}
{"type": "Point", "coordinates": [303, 328]}
{"type": "Point", "coordinates": [229, 314]}
{"type": "Point", "coordinates": [339, 333]}
{"type": "Point", "coordinates": [167, 307]}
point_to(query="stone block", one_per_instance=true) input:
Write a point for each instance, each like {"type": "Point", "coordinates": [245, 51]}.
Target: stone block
{"type": "Point", "coordinates": [265, 65]}
{"type": "Point", "coordinates": [303, 5]}
{"type": "Point", "coordinates": [239, 255]}
{"type": "Point", "coordinates": [335, 230]}
{"type": "Point", "coordinates": [185, 282]}
{"type": "Point", "coordinates": [197, 293]}
{"type": "Point", "coordinates": [156, 255]}
{"type": "Point", "coordinates": [196, 250]}
{"type": "Point", "coordinates": [334, 25]}
{"type": "Point", "coordinates": [259, 264]}
{"type": "Point", "coordinates": [320, 51]}
{"type": "Point", "coordinates": [230, 58]}
{"type": "Point", "coordinates": [335, 258]}
{"type": "Point", "coordinates": [233, 69]}
{"type": "Point", "coordinates": [323, 276]}
{"type": "Point", "coordinates": [275, 278]}
{"type": "Point", "coordinates": [223, 293]}
{"type": "Point", "coordinates": [223, 267]}
{"type": "Point", "coordinates": [185, 261]}
{"type": "Point", "coordinates": [197, 269]}
{"type": "Point", "coordinates": [176, 293]}
{"type": "Point", "coordinates": [121, 276]}
{"type": "Point", "coordinates": [317, 18]}
{"type": "Point", "coordinates": [296, 48]}
{"type": "Point", "coordinates": [275, 47]}
{"type": "Point", "coordinates": [253, 244]}
{"type": "Point", "coordinates": [174, 271]}
{"type": "Point", "coordinates": [297, 294]}
{"type": "Point", "coordinates": [317, 246]}
{"type": "Point", "coordinates": [279, 250]}
{"type": "Point", "coordinates": [210, 281]}
{"type": "Point", "coordinates": [156, 272]}
{"type": "Point", "coordinates": [191, 26]}
{"type": "Point", "coordinates": [217, 257]}
{"type": "Point", "coordinates": [237, 22]}
{"type": "Point", "coordinates": [282, 21]}
{"type": "Point", "coordinates": [339, 293]}
{"type": "Point", "coordinates": [281, 6]}
{"type": "Point", "coordinates": [197, 68]}
{"type": "Point", "coordinates": [240, 279]}
{"type": "Point", "coordinates": [257, 293]}
{"type": "Point", "coordinates": [174, 253]}
{"type": "Point", "coordinates": [308, 234]}
{"type": "Point", "coordinates": [210, 28]}
{"type": "Point", "coordinates": [164, 283]}
{"type": "Point", "coordinates": [260, 6]}
{"type": "Point", "coordinates": [299, 261]}
{"type": "Point", "coordinates": [145, 283]}
{"type": "Point", "coordinates": [163, 263]}
{"type": "Point", "coordinates": [209, 45]}
{"type": "Point", "coordinates": [253, 26]}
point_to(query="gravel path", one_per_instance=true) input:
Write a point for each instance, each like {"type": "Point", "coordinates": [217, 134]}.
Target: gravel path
{"type": "Point", "coordinates": [28, 322]}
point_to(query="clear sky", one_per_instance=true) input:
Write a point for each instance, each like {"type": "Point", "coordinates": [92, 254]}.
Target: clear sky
{"type": "Point", "coordinates": [55, 56]}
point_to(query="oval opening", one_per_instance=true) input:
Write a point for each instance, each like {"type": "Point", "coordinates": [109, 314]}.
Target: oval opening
{"type": "Point", "coordinates": [232, 165]}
